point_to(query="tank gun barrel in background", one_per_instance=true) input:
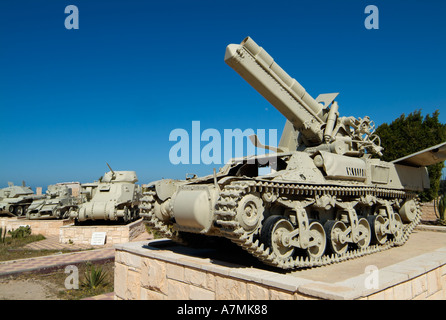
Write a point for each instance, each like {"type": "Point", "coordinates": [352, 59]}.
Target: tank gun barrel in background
{"type": "Point", "coordinates": [110, 168]}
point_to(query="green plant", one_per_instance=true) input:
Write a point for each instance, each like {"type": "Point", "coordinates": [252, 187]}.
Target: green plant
{"type": "Point", "coordinates": [156, 234]}
{"type": "Point", "coordinates": [441, 204]}
{"type": "Point", "coordinates": [20, 232]}
{"type": "Point", "coordinates": [94, 277]}
{"type": "Point", "coordinates": [412, 133]}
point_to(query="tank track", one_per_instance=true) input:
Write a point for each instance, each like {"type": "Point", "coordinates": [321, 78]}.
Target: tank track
{"type": "Point", "coordinates": [225, 211]}
{"type": "Point", "coordinates": [225, 217]}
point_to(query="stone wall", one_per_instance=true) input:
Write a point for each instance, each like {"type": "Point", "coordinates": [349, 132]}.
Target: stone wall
{"type": "Point", "coordinates": [428, 286]}
{"type": "Point", "coordinates": [114, 233]}
{"type": "Point", "coordinates": [142, 278]}
{"type": "Point", "coordinates": [428, 210]}
{"type": "Point", "coordinates": [43, 227]}
{"type": "Point", "coordinates": [145, 274]}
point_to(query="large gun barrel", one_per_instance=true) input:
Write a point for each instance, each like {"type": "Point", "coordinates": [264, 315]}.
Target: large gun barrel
{"type": "Point", "coordinates": [258, 68]}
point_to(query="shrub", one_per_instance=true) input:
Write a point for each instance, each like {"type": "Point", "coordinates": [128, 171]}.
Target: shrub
{"type": "Point", "coordinates": [20, 232]}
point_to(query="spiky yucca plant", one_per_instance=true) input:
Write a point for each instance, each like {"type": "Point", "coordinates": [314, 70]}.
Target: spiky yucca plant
{"type": "Point", "coordinates": [94, 277]}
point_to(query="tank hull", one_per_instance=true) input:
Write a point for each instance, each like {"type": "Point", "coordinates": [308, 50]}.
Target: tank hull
{"type": "Point", "coordinates": [51, 208]}
{"type": "Point", "coordinates": [304, 216]}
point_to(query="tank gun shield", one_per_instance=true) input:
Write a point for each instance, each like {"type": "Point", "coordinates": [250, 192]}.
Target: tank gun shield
{"type": "Point", "coordinates": [424, 157]}
{"type": "Point", "coordinates": [326, 98]}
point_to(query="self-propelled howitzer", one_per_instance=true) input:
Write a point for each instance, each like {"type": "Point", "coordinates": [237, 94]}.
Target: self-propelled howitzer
{"type": "Point", "coordinates": [327, 198]}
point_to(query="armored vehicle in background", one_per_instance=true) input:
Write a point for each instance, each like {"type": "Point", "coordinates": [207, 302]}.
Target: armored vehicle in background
{"type": "Point", "coordinates": [329, 197]}
{"type": "Point", "coordinates": [87, 191]}
{"type": "Point", "coordinates": [57, 203]}
{"type": "Point", "coordinates": [115, 197]}
{"type": "Point", "coordinates": [14, 200]}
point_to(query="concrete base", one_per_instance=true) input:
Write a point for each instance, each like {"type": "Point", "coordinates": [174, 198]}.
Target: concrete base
{"type": "Point", "coordinates": [46, 228]}
{"type": "Point", "coordinates": [114, 233]}
{"type": "Point", "coordinates": [160, 269]}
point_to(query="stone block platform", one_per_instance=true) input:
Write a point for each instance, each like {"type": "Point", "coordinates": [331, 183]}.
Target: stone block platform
{"type": "Point", "coordinates": [160, 269]}
{"type": "Point", "coordinates": [46, 228]}
{"type": "Point", "coordinates": [115, 233]}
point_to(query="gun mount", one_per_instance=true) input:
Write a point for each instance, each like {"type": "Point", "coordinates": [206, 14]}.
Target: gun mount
{"type": "Point", "coordinates": [312, 124]}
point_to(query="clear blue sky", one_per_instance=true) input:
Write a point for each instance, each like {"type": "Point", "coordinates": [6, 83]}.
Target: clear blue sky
{"type": "Point", "coordinates": [114, 89]}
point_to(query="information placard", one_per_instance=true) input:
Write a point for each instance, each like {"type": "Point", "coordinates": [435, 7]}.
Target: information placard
{"type": "Point", "coordinates": [98, 238]}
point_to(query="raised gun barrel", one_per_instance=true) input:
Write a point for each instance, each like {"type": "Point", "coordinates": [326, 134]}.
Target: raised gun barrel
{"type": "Point", "coordinates": [258, 68]}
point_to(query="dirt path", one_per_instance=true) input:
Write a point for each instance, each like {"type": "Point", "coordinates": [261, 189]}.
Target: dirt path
{"type": "Point", "coordinates": [28, 289]}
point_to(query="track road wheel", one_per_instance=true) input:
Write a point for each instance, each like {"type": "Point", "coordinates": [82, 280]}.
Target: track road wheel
{"type": "Point", "coordinates": [57, 213]}
{"type": "Point", "coordinates": [19, 211]}
{"type": "Point", "coordinates": [126, 216]}
{"type": "Point", "coordinates": [377, 227]}
{"type": "Point", "coordinates": [398, 228]}
{"type": "Point", "coordinates": [365, 234]}
{"type": "Point", "coordinates": [274, 235]}
{"type": "Point", "coordinates": [336, 240]}
{"type": "Point", "coordinates": [317, 240]}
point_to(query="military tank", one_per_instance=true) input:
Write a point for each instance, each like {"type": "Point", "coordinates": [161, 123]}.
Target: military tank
{"type": "Point", "coordinates": [115, 197]}
{"type": "Point", "coordinates": [58, 203]}
{"type": "Point", "coordinates": [328, 197]}
{"type": "Point", "coordinates": [14, 200]}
